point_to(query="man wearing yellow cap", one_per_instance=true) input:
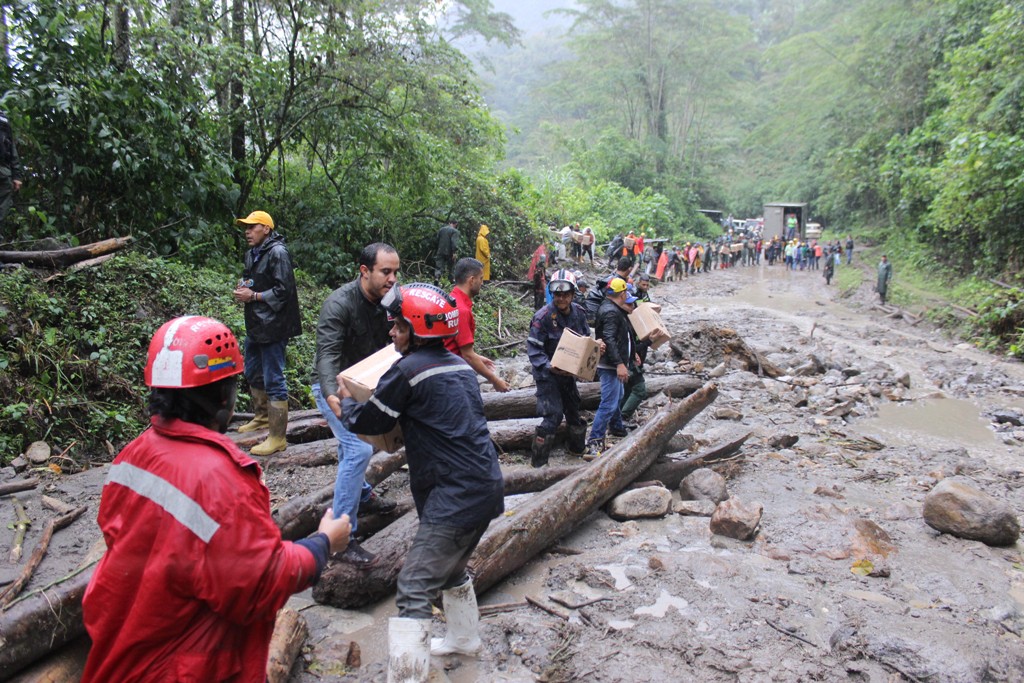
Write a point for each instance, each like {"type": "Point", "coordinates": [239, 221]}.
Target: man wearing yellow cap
{"type": "Point", "coordinates": [267, 290]}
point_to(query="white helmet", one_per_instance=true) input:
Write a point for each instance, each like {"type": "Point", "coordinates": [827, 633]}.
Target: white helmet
{"type": "Point", "coordinates": [562, 280]}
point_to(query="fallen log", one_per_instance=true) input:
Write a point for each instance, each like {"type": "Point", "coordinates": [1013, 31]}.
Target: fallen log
{"type": "Point", "coordinates": [21, 525]}
{"type": "Point", "coordinates": [299, 517]}
{"type": "Point", "coordinates": [38, 622]}
{"type": "Point", "coordinates": [292, 415]}
{"type": "Point", "coordinates": [65, 665]}
{"type": "Point", "coordinates": [18, 486]}
{"type": "Point", "coordinates": [670, 471]}
{"type": "Point", "coordinates": [61, 258]}
{"type": "Point", "coordinates": [290, 631]}
{"type": "Point", "coordinates": [522, 403]}
{"type": "Point", "coordinates": [512, 541]}
{"type": "Point", "coordinates": [302, 430]}
{"type": "Point", "coordinates": [311, 454]}
{"type": "Point", "coordinates": [515, 538]}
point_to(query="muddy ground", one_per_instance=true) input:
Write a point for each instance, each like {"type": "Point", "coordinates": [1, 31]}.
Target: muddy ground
{"type": "Point", "coordinates": [683, 604]}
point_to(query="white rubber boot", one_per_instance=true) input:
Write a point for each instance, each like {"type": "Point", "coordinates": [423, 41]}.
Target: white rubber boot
{"type": "Point", "coordinates": [463, 619]}
{"type": "Point", "coordinates": [408, 650]}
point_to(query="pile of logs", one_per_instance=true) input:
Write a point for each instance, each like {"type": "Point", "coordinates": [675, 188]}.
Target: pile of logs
{"type": "Point", "coordinates": [36, 627]}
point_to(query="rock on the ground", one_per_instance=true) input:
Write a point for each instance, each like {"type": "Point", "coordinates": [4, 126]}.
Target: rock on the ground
{"type": "Point", "coordinates": [812, 365]}
{"type": "Point", "coordinates": [955, 507]}
{"type": "Point", "coordinates": [681, 442]}
{"type": "Point", "coordinates": [736, 519]}
{"type": "Point", "coordinates": [38, 453]}
{"type": "Point", "coordinates": [1011, 417]}
{"type": "Point", "coordinates": [645, 503]}
{"type": "Point", "coordinates": [694, 508]}
{"type": "Point", "coordinates": [703, 484]}
{"type": "Point", "coordinates": [783, 440]}
{"type": "Point", "coordinates": [728, 414]}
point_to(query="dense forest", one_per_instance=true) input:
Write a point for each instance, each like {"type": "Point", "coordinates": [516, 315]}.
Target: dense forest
{"type": "Point", "coordinates": [356, 121]}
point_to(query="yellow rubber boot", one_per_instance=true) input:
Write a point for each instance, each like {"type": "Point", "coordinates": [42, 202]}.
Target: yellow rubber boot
{"type": "Point", "coordinates": [276, 442]}
{"type": "Point", "coordinates": [259, 405]}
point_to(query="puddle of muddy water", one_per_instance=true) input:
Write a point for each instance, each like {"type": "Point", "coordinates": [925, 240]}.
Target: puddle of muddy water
{"type": "Point", "coordinates": [933, 423]}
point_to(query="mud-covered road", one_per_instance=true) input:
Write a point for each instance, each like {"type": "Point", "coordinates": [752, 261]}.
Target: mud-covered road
{"type": "Point", "coordinates": [881, 410]}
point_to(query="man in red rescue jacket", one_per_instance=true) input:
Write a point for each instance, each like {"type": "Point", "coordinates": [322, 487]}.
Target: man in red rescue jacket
{"type": "Point", "coordinates": [195, 569]}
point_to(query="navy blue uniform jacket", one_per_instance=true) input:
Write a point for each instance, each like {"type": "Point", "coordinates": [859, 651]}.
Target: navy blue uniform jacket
{"type": "Point", "coordinates": [453, 465]}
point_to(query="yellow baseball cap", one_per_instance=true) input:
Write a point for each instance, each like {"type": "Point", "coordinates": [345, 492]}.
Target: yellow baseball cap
{"type": "Point", "coordinates": [260, 217]}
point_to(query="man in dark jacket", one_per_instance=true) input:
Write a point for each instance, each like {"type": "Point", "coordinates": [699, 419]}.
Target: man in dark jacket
{"type": "Point", "coordinates": [352, 326]}
{"type": "Point", "coordinates": [267, 289]}
{"type": "Point", "coordinates": [454, 475]}
{"type": "Point", "coordinates": [447, 249]}
{"type": "Point", "coordinates": [557, 394]}
{"type": "Point", "coordinates": [619, 355]}
{"type": "Point", "coordinates": [10, 169]}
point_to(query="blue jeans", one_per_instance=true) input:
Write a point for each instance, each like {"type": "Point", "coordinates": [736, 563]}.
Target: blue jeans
{"type": "Point", "coordinates": [849, 256]}
{"type": "Point", "coordinates": [436, 561]}
{"type": "Point", "coordinates": [608, 411]}
{"type": "Point", "coordinates": [350, 488]}
{"type": "Point", "coordinates": [264, 367]}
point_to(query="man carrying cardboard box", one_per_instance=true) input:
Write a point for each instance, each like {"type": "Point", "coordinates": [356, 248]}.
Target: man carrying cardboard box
{"type": "Point", "coordinates": [454, 475]}
{"type": "Point", "coordinates": [352, 326]}
{"type": "Point", "coordinates": [613, 369]}
{"type": "Point", "coordinates": [557, 394]}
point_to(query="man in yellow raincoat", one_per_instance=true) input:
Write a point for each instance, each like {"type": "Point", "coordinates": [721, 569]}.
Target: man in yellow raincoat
{"type": "Point", "coordinates": [483, 250]}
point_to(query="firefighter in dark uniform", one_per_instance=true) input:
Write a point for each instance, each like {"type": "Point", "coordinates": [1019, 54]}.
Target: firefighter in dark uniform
{"type": "Point", "coordinates": [10, 169]}
{"type": "Point", "coordinates": [453, 473]}
{"type": "Point", "coordinates": [557, 394]}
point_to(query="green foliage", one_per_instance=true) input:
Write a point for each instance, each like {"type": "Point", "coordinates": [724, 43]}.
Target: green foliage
{"type": "Point", "coordinates": [74, 348]}
{"type": "Point", "coordinates": [515, 321]}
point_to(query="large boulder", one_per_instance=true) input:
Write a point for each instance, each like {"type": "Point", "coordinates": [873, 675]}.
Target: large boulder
{"type": "Point", "coordinates": [703, 484]}
{"type": "Point", "coordinates": [955, 507]}
{"type": "Point", "coordinates": [736, 519]}
{"type": "Point", "coordinates": [643, 503]}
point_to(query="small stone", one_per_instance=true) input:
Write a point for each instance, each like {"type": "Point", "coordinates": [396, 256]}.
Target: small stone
{"type": "Point", "coordinates": [681, 442]}
{"type": "Point", "coordinates": [1011, 417]}
{"type": "Point", "coordinates": [956, 508]}
{"type": "Point", "coordinates": [735, 519]}
{"type": "Point", "coordinates": [38, 453]}
{"type": "Point", "coordinates": [703, 484]}
{"type": "Point", "coordinates": [781, 441]}
{"type": "Point", "coordinates": [840, 409]}
{"type": "Point", "coordinates": [728, 414]}
{"type": "Point", "coordinates": [717, 371]}
{"type": "Point", "coordinates": [648, 502]}
{"type": "Point", "coordinates": [694, 508]}
{"type": "Point", "coordinates": [850, 372]}
{"type": "Point", "coordinates": [811, 366]}
{"type": "Point", "coordinates": [20, 464]}
{"type": "Point", "coordinates": [904, 379]}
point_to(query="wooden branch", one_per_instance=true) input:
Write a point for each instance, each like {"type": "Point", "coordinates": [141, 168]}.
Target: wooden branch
{"type": "Point", "coordinates": [58, 506]}
{"type": "Point", "coordinates": [21, 526]}
{"type": "Point", "coordinates": [566, 603]}
{"type": "Point", "coordinates": [61, 258]}
{"type": "Point", "coordinates": [553, 611]}
{"type": "Point", "coordinates": [488, 610]}
{"type": "Point", "coordinates": [16, 486]}
{"type": "Point", "coordinates": [670, 471]}
{"type": "Point", "coordinates": [8, 594]}
{"type": "Point", "coordinates": [290, 632]}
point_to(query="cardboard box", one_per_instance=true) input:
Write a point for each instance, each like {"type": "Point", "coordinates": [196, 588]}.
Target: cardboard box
{"type": "Point", "coordinates": [577, 355]}
{"type": "Point", "coordinates": [361, 379]}
{"type": "Point", "coordinates": [628, 242]}
{"type": "Point", "coordinates": [648, 325]}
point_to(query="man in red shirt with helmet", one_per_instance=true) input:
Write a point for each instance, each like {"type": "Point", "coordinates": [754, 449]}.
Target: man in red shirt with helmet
{"type": "Point", "coordinates": [195, 569]}
{"type": "Point", "coordinates": [453, 473]}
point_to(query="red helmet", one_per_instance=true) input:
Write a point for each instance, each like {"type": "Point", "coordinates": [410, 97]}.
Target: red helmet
{"type": "Point", "coordinates": [192, 351]}
{"type": "Point", "coordinates": [562, 281]}
{"type": "Point", "coordinates": [428, 309]}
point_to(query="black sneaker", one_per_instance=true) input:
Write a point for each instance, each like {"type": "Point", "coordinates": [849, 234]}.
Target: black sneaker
{"type": "Point", "coordinates": [376, 505]}
{"type": "Point", "coordinates": [357, 556]}
{"type": "Point", "coordinates": [631, 425]}
{"type": "Point", "coordinates": [618, 431]}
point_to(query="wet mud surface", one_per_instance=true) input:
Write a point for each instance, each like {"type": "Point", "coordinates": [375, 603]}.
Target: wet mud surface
{"type": "Point", "coordinates": [844, 580]}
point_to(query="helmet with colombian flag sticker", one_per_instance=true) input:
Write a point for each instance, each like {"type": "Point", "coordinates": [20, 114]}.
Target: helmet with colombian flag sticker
{"type": "Point", "coordinates": [429, 310]}
{"type": "Point", "coordinates": [192, 351]}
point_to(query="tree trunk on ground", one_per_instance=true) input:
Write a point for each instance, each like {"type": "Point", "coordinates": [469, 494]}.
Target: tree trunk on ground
{"type": "Point", "coordinates": [302, 430]}
{"type": "Point", "coordinates": [670, 471]}
{"type": "Point", "coordinates": [522, 403]}
{"type": "Point", "coordinates": [290, 631]}
{"type": "Point", "coordinates": [34, 626]}
{"type": "Point", "coordinates": [299, 517]}
{"type": "Point", "coordinates": [512, 541]}
{"type": "Point", "coordinates": [60, 258]}
{"type": "Point", "coordinates": [63, 666]}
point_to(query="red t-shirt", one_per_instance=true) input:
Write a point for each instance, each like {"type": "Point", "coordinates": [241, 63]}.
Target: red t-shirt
{"type": "Point", "coordinates": [467, 323]}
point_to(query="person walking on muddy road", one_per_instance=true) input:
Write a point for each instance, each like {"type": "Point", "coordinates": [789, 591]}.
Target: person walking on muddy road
{"type": "Point", "coordinates": [268, 292]}
{"type": "Point", "coordinates": [454, 475]}
{"type": "Point", "coordinates": [830, 268]}
{"type": "Point", "coordinates": [469, 279]}
{"type": "Point", "coordinates": [884, 277]}
{"type": "Point", "coordinates": [617, 358]}
{"type": "Point", "coordinates": [849, 249]}
{"type": "Point", "coordinates": [557, 393]}
{"type": "Point", "coordinates": [195, 569]}
{"type": "Point", "coordinates": [352, 326]}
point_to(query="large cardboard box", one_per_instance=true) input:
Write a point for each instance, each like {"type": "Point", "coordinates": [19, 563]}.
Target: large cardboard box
{"type": "Point", "coordinates": [648, 325]}
{"type": "Point", "coordinates": [577, 355]}
{"type": "Point", "coordinates": [628, 242]}
{"type": "Point", "coordinates": [361, 379]}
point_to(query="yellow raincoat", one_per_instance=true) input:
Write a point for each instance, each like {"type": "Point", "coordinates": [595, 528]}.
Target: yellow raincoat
{"type": "Point", "coordinates": [483, 250]}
